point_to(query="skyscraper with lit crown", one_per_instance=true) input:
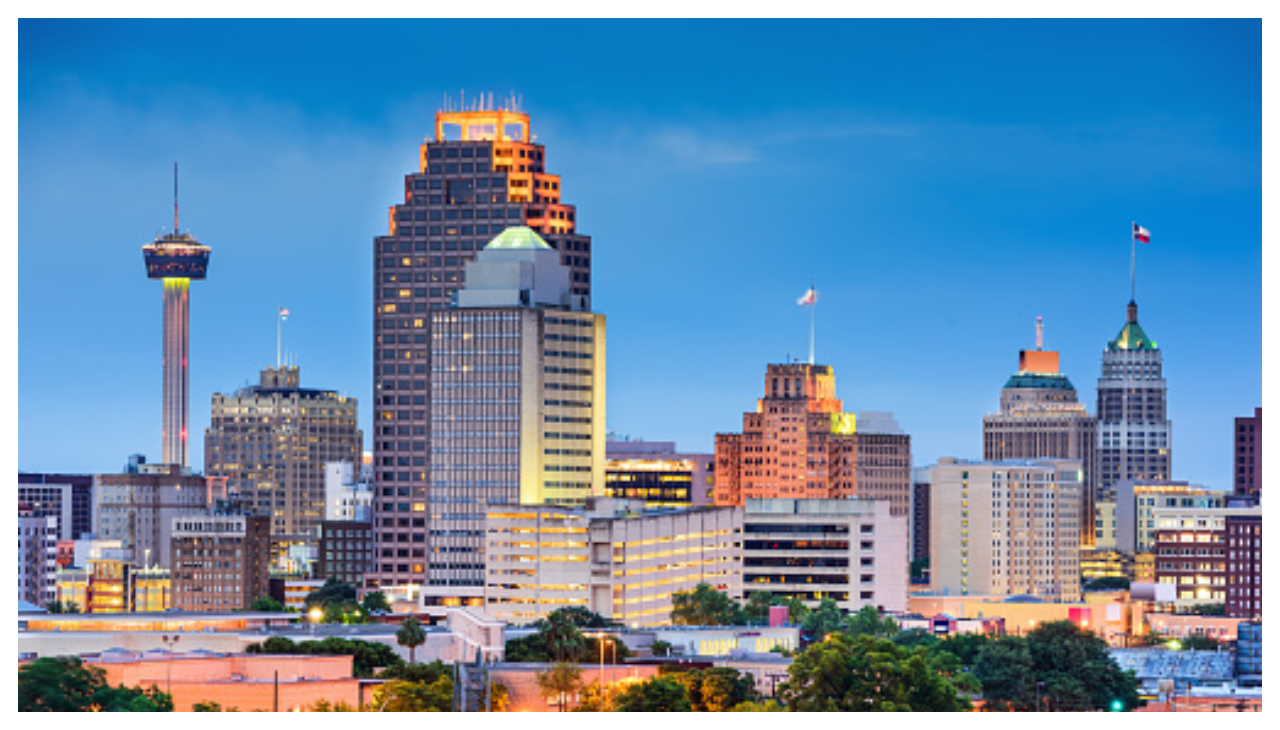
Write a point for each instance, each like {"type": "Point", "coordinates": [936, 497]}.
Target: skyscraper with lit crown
{"type": "Point", "coordinates": [480, 173]}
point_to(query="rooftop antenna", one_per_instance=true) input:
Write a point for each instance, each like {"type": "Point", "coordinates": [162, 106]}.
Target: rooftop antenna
{"type": "Point", "coordinates": [175, 197]}
{"type": "Point", "coordinates": [1039, 333]}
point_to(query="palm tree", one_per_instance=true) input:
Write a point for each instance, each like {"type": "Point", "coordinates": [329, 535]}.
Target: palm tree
{"type": "Point", "coordinates": [411, 635]}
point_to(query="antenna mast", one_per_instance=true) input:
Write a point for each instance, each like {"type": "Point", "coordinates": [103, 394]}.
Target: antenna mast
{"type": "Point", "coordinates": [1039, 333]}
{"type": "Point", "coordinates": [175, 197]}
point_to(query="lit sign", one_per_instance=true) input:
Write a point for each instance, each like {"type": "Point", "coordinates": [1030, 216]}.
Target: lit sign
{"type": "Point", "coordinates": [843, 423]}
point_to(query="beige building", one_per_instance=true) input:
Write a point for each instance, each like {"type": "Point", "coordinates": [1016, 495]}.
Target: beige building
{"type": "Point", "coordinates": [272, 441]}
{"type": "Point", "coordinates": [1005, 528]}
{"type": "Point", "coordinates": [851, 550]}
{"type": "Point", "coordinates": [610, 556]}
{"type": "Point", "coordinates": [138, 507]}
{"type": "Point", "coordinates": [1129, 522]}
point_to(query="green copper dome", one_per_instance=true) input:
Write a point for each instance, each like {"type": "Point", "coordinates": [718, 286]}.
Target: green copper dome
{"type": "Point", "coordinates": [518, 237]}
{"type": "Point", "coordinates": [1132, 337]}
{"type": "Point", "coordinates": [1047, 381]}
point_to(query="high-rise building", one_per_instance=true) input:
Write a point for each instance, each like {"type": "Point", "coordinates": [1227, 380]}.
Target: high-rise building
{"type": "Point", "coordinates": [220, 561]}
{"type": "Point", "coordinates": [137, 507]}
{"type": "Point", "coordinates": [853, 551]}
{"type": "Point", "coordinates": [481, 173]}
{"type": "Point", "coordinates": [1005, 528]}
{"type": "Point", "coordinates": [1248, 452]}
{"type": "Point", "coordinates": [37, 558]}
{"type": "Point", "coordinates": [658, 474]}
{"type": "Point", "coordinates": [1135, 435]}
{"type": "Point", "coordinates": [347, 496]}
{"type": "Point", "coordinates": [517, 405]}
{"type": "Point", "coordinates": [1133, 527]}
{"type": "Point", "coordinates": [176, 259]}
{"type": "Point", "coordinates": [1196, 553]}
{"type": "Point", "coordinates": [610, 556]}
{"type": "Point", "coordinates": [920, 513]}
{"type": "Point", "coordinates": [799, 444]}
{"type": "Point", "coordinates": [1041, 418]}
{"type": "Point", "coordinates": [271, 442]}
{"type": "Point", "coordinates": [69, 497]}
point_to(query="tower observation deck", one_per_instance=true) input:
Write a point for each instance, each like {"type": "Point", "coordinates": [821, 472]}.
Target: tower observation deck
{"type": "Point", "coordinates": [176, 259]}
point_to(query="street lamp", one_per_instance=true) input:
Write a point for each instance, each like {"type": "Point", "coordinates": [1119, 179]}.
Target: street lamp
{"type": "Point", "coordinates": [316, 614]}
{"type": "Point", "coordinates": [169, 642]}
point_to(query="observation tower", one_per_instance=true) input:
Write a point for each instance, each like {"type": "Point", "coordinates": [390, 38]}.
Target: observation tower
{"type": "Point", "coordinates": [176, 259]}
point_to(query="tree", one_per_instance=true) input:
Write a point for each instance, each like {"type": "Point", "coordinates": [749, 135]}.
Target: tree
{"type": "Point", "coordinates": [66, 684]}
{"type": "Point", "coordinates": [561, 636]}
{"type": "Point", "coordinates": [866, 674]}
{"type": "Point", "coordinates": [374, 602]}
{"type": "Point", "coordinates": [404, 696]}
{"type": "Point", "coordinates": [965, 647]}
{"type": "Point", "coordinates": [823, 620]}
{"type": "Point", "coordinates": [333, 592]}
{"type": "Point", "coordinates": [1200, 642]}
{"type": "Point", "coordinates": [267, 604]}
{"type": "Point", "coordinates": [756, 609]}
{"type": "Point", "coordinates": [717, 689]}
{"type": "Point", "coordinates": [656, 694]}
{"type": "Point", "coordinates": [660, 648]}
{"type": "Point", "coordinates": [367, 656]}
{"type": "Point", "coordinates": [1108, 583]}
{"type": "Point", "coordinates": [584, 618]}
{"type": "Point", "coordinates": [559, 680]}
{"type": "Point", "coordinates": [323, 705]}
{"type": "Point", "coordinates": [411, 635]}
{"type": "Point", "coordinates": [912, 638]}
{"type": "Point", "coordinates": [704, 606]}
{"type": "Point", "coordinates": [63, 607]}
{"type": "Point", "coordinates": [867, 621]}
{"type": "Point", "coordinates": [594, 698]}
{"type": "Point", "coordinates": [1071, 667]}
{"type": "Point", "coordinates": [210, 706]}
{"type": "Point", "coordinates": [766, 706]}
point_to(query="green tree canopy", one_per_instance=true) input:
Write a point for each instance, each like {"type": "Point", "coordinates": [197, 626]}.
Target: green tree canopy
{"type": "Point", "coordinates": [333, 592]}
{"type": "Point", "coordinates": [867, 674]}
{"type": "Point", "coordinates": [867, 621]}
{"type": "Point", "coordinates": [656, 694]}
{"type": "Point", "coordinates": [66, 684]}
{"type": "Point", "coordinates": [705, 606]}
{"type": "Point", "coordinates": [374, 601]}
{"type": "Point", "coordinates": [717, 689]}
{"type": "Point", "coordinates": [267, 604]}
{"type": "Point", "coordinates": [403, 696]}
{"type": "Point", "coordinates": [1109, 583]}
{"type": "Point", "coordinates": [823, 620]}
{"type": "Point", "coordinates": [1070, 666]}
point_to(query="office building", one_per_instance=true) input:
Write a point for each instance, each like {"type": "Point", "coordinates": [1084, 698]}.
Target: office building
{"type": "Point", "coordinates": [69, 497]}
{"type": "Point", "coordinates": [1195, 553]}
{"type": "Point", "coordinates": [346, 495]}
{"type": "Point", "coordinates": [480, 174]}
{"type": "Point", "coordinates": [1041, 418]}
{"type": "Point", "coordinates": [220, 561]}
{"type": "Point", "coordinates": [137, 507]}
{"type": "Point", "coordinates": [853, 551]}
{"type": "Point", "coordinates": [346, 551]}
{"type": "Point", "coordinates": [1248, 455]}
{"type": "Point", "coordinates": [1243, 530]}
{"type": "Point", "coordinates": [517, 404]}
{"type": "Point", "coordinates": [176, 259]}
{"type": "Point", "coordinates": [920, 513]}
{"type": "Point", "coordinates": [272, 441]}
{"type": "Point", "coordinates": [1135, 435]}
{"type": "Point", "coordinates": [800, 444]}
{"type": "Point", "coordinates": [612, 557]}
{"type": "Point", "coordinates": [656, 473]}
{"type": "Point", "coordinates": [37, 559]}
{"type": "Point", "coordinates": [1005, 528]}
{"type": "Point", "coordinates": [1135, 508]}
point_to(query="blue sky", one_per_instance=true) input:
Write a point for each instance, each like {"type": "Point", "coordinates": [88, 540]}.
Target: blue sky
{"type": "Point", "coordinates": [943, 182]}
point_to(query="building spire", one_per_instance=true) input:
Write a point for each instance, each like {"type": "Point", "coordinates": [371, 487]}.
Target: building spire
{"type": "Point", "coordinates": [1039, 333]}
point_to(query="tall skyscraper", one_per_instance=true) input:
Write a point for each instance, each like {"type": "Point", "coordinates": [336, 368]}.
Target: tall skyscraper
{"type": "Point", "coordinates": [271, 442]}
{"type": "Point", "coordinates": [176, 259]}
{"type": "Point", "coordinates": [799, 444]}
{"type": "Point", "coordinates": [1135, 435]}
{"type": "Point", "coordinates": [480, 173]}
{"type": "Point", "coordinates": [138, 507]}
{"type": "Point", "coordinates": [1041, 418]}
{"type": "Point", "coordinates": [1248, 455]}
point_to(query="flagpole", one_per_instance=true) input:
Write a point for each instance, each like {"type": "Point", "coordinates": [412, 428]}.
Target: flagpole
{"type": "Point", "coordinates": [278, 320]}
{"type": "Point", "coordinates": [812, 316]}
{"type": "Point", "coordinates": [1133, 261]}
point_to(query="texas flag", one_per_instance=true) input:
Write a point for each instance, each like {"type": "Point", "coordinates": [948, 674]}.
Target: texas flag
{"type": "Point", "coordinates": [1141, 234]}
{"type": "Point", "coordinates": [283, 313]}
{"type": "Point", "coordinates": [810, 297]}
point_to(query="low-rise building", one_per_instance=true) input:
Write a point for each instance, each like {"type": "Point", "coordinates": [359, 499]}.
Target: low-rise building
{"type": "Point", "coordinates": [220, 561]}
{"type": "Point", "coordinates": [853, 551]}
{"type": "Point", "coordinates": [611, 556]}
{"type": "Point", "coordinates": [656, 473]}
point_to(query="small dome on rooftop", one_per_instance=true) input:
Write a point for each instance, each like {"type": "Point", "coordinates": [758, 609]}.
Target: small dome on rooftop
{"type": "Point", "coordinates": [518, 237]}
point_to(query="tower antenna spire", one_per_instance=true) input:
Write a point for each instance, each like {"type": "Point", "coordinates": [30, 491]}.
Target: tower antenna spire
{"type": "Point", "coordinates": [1039, 333]}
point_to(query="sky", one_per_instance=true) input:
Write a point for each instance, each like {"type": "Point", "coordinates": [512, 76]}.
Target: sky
{"type": "Point", "coordinates": [941, 183]}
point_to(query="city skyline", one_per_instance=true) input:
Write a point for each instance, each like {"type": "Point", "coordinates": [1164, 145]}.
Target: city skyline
{"type": "Point", "coordinates": [940, 201]}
